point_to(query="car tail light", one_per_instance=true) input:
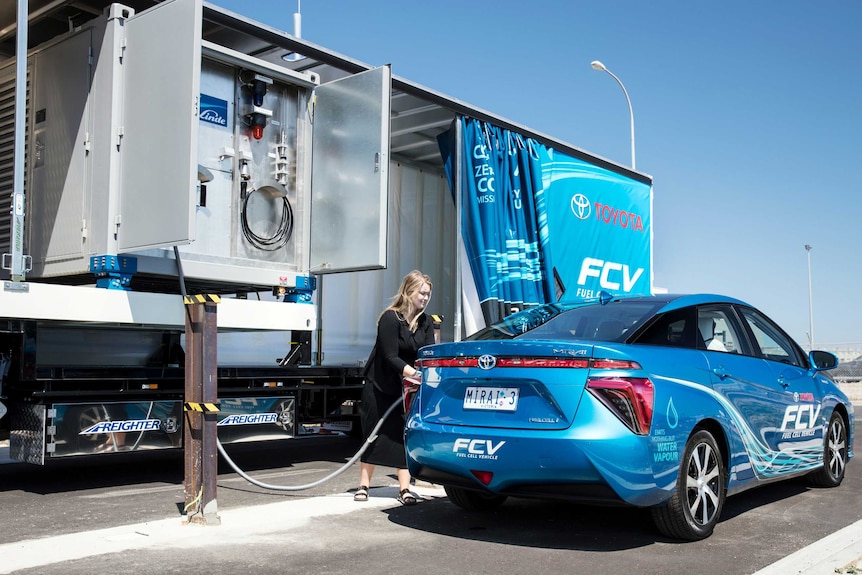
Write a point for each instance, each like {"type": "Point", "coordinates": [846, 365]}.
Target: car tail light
{"type": "Point", "coordinates": [541, 362]}
{"type": "Point", "coordinates": [410, 387]}
{"type": "Point", "coordinates": [614, 364]}
{"type": "Point", "coordinates": [529, 362]}
{"type": "Point", "coordinates": [629, 398]}
{"type": "Point", "coordinates": [448, 362]}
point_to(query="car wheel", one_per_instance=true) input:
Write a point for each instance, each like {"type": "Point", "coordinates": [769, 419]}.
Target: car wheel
{"type": "Point", "coordinates": [701, 488]}
{"type": "Point", "coordinates": [834, 455]}
{"type": "Point", "coordinates": [473, 500]}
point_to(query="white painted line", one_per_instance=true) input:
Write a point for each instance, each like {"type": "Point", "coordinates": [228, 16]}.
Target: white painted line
{"type": "Point", "coordinates": [822, 557]}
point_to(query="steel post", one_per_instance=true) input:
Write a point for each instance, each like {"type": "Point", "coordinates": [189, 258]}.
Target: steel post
{"type": "Point", "coordinates": [200, 431]}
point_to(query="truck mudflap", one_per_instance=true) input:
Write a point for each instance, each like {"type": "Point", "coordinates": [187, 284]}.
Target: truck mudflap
{"type": "Point", "coordinates": [67, 429]}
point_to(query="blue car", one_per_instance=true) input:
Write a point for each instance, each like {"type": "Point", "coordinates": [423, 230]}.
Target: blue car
{"type": "Point", "coordinates": [668, 402]}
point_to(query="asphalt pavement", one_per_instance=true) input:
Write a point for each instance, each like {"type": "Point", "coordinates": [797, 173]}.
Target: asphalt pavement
{"type": "Point", "coordinates": [840, 552]}
{"type": "Point", "coordinates": [837, 553]}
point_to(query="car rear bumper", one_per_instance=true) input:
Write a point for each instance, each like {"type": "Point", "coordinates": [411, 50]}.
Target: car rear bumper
{"type": "Point", "coordinates": [565, 464]}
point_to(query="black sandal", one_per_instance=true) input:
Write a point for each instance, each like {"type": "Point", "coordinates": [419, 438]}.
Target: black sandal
{"type": "Point", "coordinates": [406, 498]}
{"type": "Point", "coordinates": [361, 494]}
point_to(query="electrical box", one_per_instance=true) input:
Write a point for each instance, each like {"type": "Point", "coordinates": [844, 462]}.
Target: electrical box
{"type": "Point", "coordinates": [255, 174]}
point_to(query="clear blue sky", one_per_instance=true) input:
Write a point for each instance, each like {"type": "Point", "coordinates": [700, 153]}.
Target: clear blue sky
{"type": "Point", "coordinates": [748, 116]}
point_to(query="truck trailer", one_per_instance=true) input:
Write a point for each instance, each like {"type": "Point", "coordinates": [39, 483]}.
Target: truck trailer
{"type": "Point", "coordinates": [174, 152]}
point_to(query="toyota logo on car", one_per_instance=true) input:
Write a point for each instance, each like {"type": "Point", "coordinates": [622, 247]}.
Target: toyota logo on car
{"type": "Point", "coordinates": [486, 361]}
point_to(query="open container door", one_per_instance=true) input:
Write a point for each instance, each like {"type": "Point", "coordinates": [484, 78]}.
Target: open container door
{"type": "Point", "coordinates": [158, 141]}
{"type": "Point", "coordinates": [350, 173]}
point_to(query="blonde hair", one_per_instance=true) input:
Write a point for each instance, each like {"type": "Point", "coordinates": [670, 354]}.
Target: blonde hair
{"type": "Point", "coordinates": [402, 303]}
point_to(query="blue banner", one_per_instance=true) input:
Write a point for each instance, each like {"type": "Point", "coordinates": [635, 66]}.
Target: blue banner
{"type": "Point", "coordinates": [501, 172]}
{"type": "Point", "coordinates": [540, 226]}
{"type": "Point", "coordinates": [599, 229]}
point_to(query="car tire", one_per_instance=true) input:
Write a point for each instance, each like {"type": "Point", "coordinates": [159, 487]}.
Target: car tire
{"type": "Point", "coordinates": [692, 512]}
{"type": "Point", "coordinates": [831, 474]}
{"type": "Point", "coordinates": [473, 500]}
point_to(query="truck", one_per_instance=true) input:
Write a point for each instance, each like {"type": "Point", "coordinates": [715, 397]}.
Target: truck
{"type": "Point", "coordinates": [174, 152]}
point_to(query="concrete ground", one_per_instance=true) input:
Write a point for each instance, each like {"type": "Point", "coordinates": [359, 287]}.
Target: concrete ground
{"type": "Point", "coordinates": [839, 553]}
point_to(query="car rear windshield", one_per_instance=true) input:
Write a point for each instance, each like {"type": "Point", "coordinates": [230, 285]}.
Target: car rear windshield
{"type": "Point", "coordinates": [614, 321]}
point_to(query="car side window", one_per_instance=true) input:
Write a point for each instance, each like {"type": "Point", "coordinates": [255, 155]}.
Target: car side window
{"type": "Point", "coordinates": [672, 329]}
{"type": "Point", "coordinates": [772, 342]}
{"type": "Point", "coordinates": [718, 329]}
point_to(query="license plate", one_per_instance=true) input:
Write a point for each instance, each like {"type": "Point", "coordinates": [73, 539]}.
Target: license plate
{"type": "Point", "coordinates": [491, 398]}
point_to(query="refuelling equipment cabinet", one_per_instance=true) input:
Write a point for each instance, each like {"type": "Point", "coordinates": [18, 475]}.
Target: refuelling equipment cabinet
{"type": "Point", "coordinates": [161, 163]}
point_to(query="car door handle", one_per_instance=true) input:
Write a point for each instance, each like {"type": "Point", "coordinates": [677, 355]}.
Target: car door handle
{"type": "Point", "coordinates": [721, 372]}
{"type": "Point", "coordinates": [782, 382]}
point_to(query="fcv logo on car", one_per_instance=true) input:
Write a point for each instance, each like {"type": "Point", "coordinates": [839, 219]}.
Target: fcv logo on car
{"type": "Point", "coordinates": [486, 361]}
{"type": "Point", "coordinates": [477, 448]}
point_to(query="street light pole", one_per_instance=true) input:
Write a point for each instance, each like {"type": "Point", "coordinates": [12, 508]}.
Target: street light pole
{"type": "Point", "coordinates": [810, 305]}
{"type": "Point", "coordinates": [601, 68]}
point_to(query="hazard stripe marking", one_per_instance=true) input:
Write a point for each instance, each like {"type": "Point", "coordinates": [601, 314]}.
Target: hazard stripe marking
{"type": "Point", "coordinates": [202, 407]}
{"type": "Point", "coordinates": [201, 298]}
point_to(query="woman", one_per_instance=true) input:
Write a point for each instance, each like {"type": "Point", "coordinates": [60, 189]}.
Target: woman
{"type": "Point", "coordinates": [402, 329]}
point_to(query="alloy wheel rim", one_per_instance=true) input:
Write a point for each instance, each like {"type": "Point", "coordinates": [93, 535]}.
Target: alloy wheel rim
{"type": "Point", "coordinates": [702, 484]}
{"type": "Point", "coordinates": [837, 447]}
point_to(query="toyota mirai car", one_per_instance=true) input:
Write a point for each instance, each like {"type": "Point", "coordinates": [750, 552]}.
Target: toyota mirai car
{"type": "Point", "coordinates": [671, 402]}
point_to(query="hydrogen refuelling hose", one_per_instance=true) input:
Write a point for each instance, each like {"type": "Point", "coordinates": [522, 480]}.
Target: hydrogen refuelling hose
{"type": "Point", "coordinates": [371, 437]}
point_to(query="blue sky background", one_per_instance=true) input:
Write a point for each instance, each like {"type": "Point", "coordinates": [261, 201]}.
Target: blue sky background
{"type": "Point", "coordinates": [748, 116]}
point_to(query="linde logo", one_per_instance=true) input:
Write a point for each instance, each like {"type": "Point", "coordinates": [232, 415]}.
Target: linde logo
{"type": "Point", "coordinates": [213, 117]}
{"type": "Point", "coordinates": [213, 110]}
{"type": "Point", "coordinates": [582, 208]}
{"type": "Point", "coordinates": [612, 276]}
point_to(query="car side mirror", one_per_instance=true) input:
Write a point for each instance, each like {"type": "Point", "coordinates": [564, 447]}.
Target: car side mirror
{"type": "Point", "coordinates": [822, 360]}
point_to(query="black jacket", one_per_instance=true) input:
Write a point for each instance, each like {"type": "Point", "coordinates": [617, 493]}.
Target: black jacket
{"type": "Point", "coordinates": [396, 347]}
